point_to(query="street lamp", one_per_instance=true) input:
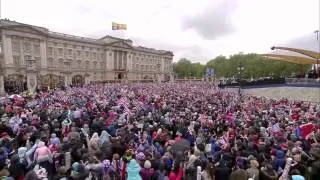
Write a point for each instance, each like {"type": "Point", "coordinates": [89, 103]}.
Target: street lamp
{"type": "Point", "coordinates": [317, 69]}
{"type": "Point", "coordinates": [240, 69]}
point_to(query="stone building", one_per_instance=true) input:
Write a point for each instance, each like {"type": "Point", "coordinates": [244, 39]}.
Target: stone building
{"type": "Point", "coordinates": [32, 55]}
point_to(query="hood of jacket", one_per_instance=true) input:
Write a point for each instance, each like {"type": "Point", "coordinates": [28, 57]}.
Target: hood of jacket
{"type": "Point", "coordinates": [133, 167]}
{"type": "Point", "coordinates": [280, 154]}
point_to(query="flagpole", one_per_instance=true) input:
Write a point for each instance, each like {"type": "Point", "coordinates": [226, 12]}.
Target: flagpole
{"type": "Point", "coordinates": [318, 54]}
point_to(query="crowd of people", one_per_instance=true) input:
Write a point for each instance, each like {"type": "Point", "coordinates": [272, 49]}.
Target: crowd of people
{"type": "Point", "coordinates": [152, 131]}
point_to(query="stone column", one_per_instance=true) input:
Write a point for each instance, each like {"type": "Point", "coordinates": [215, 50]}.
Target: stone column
{"type": "Point", "coordinates": [129, 61]}
{"type": "Point", "coordinates": [106, 60]}
{"type": "Point", "coordinates": [86, 79]}
{"type": "Point", "coordinates": [120, 65]}
{"type": "Point", "coordinates": [124, 60]}
{"type": "Point", "coordinates": [171, 78]}
{"type": "Point", "coordinates": [2, 85]}
{"type": "Point", "coordinates": [32, 81]}
{"type": "Point", "coordinates": [67, 79]}
{"type": "Point", "coordinates": [115, 60]}
{"type": "Point", "coordinates": [43, 53]}
{"type": "Point", "coordinates": [7, 49]}
{"type": "Point", "coordinates": [162, 64]}
{"type": "Point", "coordinates": [23, 61]}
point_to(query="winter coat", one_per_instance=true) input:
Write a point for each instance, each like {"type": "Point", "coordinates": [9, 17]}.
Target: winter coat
{"type": "Point", "coordinates": [239, 174]}
{"type": "Point", "coordinates": [205, 175]}
{"type": "Point", "coordinates": [268, 175]}
{"type": "Point", "coordinates": [133, 170]}
{"type": "Point", "coordinates": [146, 174]}
{"type": "Point", "coordinates": [253, 172]}
{"type": "Point", "coordinates": [280, 161]}
{"type": "Point", "coordinates": [222, 172]}
{"type": "Point", "coordinates": [174, 176]}
{"type": "Point", "coordinates": [42, 153]}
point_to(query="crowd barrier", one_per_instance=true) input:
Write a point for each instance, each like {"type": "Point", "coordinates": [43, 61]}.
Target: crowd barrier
{"type": "Point", "coordinates": [302, 81]}
{"type": "Point", "coordinates": [262, 82]}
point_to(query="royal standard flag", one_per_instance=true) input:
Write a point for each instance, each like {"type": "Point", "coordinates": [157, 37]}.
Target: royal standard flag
{"type": "Point", "coordinates": [117, 26]}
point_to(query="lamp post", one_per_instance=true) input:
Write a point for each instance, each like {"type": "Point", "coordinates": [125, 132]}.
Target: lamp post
{"type": "Point", "coordinates": [240, 70]}
{"type": "Point", "coordinates": [317, 69]}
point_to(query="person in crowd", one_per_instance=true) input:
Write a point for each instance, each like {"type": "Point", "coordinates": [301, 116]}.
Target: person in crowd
{"type": "Point", "coordinates": [154, 131]}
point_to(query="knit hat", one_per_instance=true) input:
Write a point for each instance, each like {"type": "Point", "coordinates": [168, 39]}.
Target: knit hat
{"type": "Point", "coordinates": [141, 156]}
{"type": "Point", "coordinates": [147, 164]}
{"type": "Point", "coordinates": [128, 155]}
{"type": "Point", "coordinates": [297, 177]}
{"type": "Point", "coordinates": [75, 166]}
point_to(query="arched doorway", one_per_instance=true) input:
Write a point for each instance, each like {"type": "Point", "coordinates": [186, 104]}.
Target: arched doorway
{"type": "Point", "coordinates": [120, 76]}
{"type": "Point", "coordinates": [15, 83]}
{"type": "Point", "coordinates": [147, 77]}
{"type": "Point", "coordinates": [166, 78]}
{"type": "Point", "coordinates": [52, 81]}
{"type": "Point", "coordinates": [78, 80]}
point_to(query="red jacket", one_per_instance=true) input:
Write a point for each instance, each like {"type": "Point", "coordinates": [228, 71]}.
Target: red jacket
{"type": "Point", "coordinates": [174, 176]}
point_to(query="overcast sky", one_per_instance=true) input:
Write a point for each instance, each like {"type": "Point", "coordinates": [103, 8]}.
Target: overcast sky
{"type": "Point", "coordinates": [196, 29]}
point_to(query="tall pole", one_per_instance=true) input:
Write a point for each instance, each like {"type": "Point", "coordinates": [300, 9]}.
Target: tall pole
{"type": "Point", "coordinates": [240, 68]}
{"type": "Point", "coordinates": [318, 42]}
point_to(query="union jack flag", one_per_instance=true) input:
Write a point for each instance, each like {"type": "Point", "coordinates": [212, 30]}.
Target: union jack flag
{"type": "Point", "coordinates": [125, 103]}
{"type": "Point", "coordinates": [224, 141]}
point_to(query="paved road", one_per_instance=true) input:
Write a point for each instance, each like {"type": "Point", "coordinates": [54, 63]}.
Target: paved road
{"type": "Point", "coordinates": [294, 93]}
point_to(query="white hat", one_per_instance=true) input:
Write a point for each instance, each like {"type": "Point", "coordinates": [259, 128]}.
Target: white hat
{"type": "Point", "coordinates": [147, 164]}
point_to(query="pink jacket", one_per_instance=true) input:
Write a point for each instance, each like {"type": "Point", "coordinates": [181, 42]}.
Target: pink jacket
{"type": "Point", "coordinates": [42, 152]}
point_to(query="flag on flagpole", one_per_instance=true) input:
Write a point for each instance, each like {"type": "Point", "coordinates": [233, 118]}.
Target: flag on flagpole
{"type": "Point", "coordinates": [117, 26]}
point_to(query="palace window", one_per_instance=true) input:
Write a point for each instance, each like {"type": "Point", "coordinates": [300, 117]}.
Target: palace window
{"type": "Point", "coordinates": [60, 52]}
{"type": "Point", "coordinates": [16, 47]}
{"type": "Point", "coordinates": [36, 48]}
{"type": "Point", "coordinates": [87, 64]}
{"type": "Point", "coordinates": [50, 62]}
{"type": "Point", "coordinates": [50, 51]}
{"type": "Point", "coordinates": [27, 47]}
{"type": "Point", "coordinates": [16, 60]}
{"type": "Point", "coordinates": [69, 52]}
{"type": "Point", "coordinates": [102, 65]}
{"type": "Point", "coordinates": [61, 63]}
{"type": "Point", "coordinates": [95, 65]}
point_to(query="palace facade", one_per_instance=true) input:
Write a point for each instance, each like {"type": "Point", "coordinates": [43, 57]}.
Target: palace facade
{"type": "Point", "coordinates": [31, 56]}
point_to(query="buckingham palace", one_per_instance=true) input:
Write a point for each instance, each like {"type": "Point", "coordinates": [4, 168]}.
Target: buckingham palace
{"type": "Point", "coordinates": [32, 56]}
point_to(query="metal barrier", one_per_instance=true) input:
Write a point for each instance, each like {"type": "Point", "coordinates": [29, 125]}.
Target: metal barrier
{"type": "Point", "coordinates": [302, 81]}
